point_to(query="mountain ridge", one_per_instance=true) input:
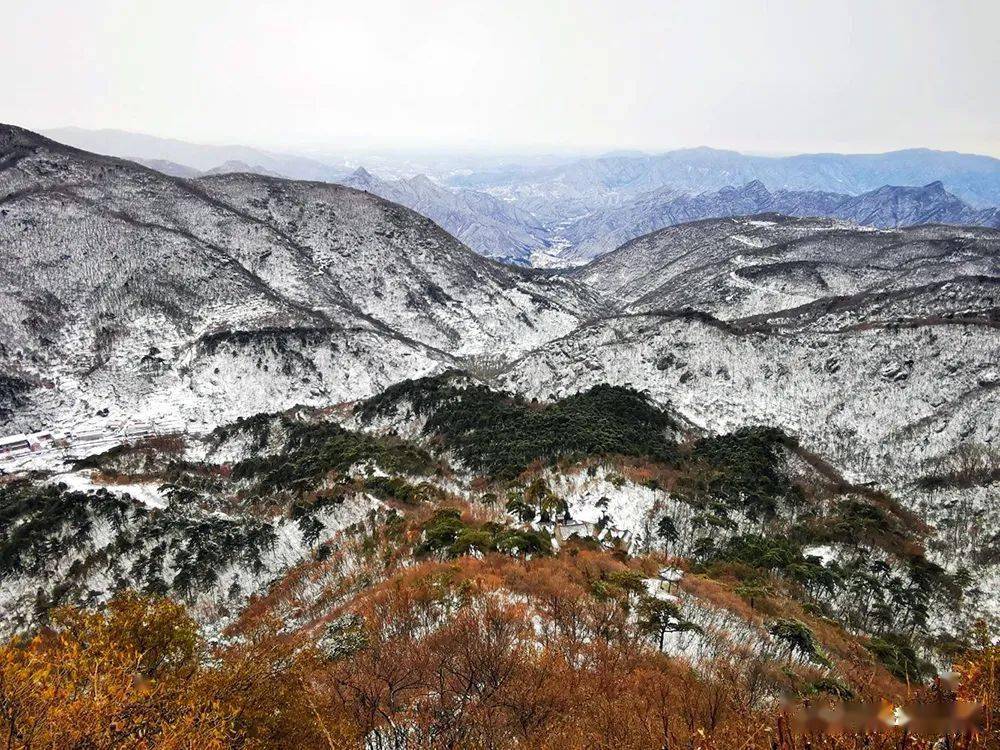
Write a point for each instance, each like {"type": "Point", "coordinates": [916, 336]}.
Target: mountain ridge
{"type": "Point", "coordinates": [237, 252]}
{"type": "Point", "coordinates": [565, 211]}
{"type": "Point", "coordinates": [888, 206]}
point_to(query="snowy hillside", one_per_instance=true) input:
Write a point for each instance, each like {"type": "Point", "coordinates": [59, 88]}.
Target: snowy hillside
{"type": "Point", "coordinates": [129, 291]}
{"type": "Point", "coordinates": [876, 400]}
{"type": "Point", "coordinates": [875, 348]}
{"type": "Point", "coordinates": [734, 268]}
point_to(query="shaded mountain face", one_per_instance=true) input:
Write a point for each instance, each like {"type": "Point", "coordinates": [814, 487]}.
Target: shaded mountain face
{"type": "Point", "coordinates": [492, 227]}
{"type": "Point", "coordinates": [886, 207]}
{"type": "Point", "coordinates": [127, 290]}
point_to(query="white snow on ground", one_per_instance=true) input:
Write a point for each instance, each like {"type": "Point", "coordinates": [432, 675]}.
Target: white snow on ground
{"type": "Point", "coordinates": [628, 504]}
{"type": "Point", "coordinates": [966, 521]}
{"type": "Point", "coordinates": [267, 294]}
{"type": "Point", "coordinates": [81, 481]}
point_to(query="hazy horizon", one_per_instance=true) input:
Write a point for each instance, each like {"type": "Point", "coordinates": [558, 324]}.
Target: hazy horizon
{"type": "Point", "coordinates": [560, 77]}
{"type": "Point", "coordinates": [332, 152]}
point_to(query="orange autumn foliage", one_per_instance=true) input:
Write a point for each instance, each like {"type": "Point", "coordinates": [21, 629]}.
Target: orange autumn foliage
{"type": "Point", "coordinates": [136, 677]}
{"type": "Point", "coordinates": [980, 682]}
{"type": "Point", "coordinates": [486, 654]}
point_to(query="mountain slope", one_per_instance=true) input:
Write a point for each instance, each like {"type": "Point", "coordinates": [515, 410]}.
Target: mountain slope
{"type": "Point", "coordinates": [734, 268]}
{"type": "Point", "coordinates": [126, 289]}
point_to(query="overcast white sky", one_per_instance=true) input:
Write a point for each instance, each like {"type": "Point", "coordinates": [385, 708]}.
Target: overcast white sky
{"type": "Point", "coordinates": [782, 76]}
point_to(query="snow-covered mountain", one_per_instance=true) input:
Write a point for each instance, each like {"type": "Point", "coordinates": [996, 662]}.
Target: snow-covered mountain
{"type": "Point", "coordinates": [559, 211]}
{"type": "Point", "coordinates": [887, 207]}
{"type": "Point", "coordinates": [128, 292]}
{"type": "Point", "coordinates": [878, 348]}
{"type": "Point", "coordinates": [802, 390]}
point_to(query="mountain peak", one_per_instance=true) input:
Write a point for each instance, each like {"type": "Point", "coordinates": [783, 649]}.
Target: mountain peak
{"type": "Point", "coordinates": [363, 179]}
{"type": "Point", "coordinates": [422, 180]}
{"type": "Point", "coordinates": [752, 189]}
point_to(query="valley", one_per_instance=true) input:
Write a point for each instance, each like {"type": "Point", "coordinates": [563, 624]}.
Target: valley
{"type": "Point", "coordinates": [752, 455]}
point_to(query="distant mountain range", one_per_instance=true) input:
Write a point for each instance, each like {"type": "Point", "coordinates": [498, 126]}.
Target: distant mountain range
{"type": "Point", "coordinates": [612, 180]}
{"type": "Point", "coordinates": [887, 207]}
{"type": "Point", "coordinates": [174, 157]}
{"type": "Point", "coordinates": [499, 229]}
{"type": "Point", "coordinates": [554, 213]}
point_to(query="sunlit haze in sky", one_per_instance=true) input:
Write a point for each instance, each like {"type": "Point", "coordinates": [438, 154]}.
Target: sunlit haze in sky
{"type": "Point", "coordinates": [519, 75]}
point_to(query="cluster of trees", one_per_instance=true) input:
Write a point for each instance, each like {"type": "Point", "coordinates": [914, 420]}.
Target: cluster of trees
{"type": "Point", "coordinates": [870, 595]}
{"type": "Point", "coordinates": [63, 539]}
{"type": "Point", "coordinates": [13, 394]}
{"type": "Point", "coordinates": [140, 676]}
{"type": "Point", "coordinates": [153, 456]}
{"type": "Point", "coordinates": [743, 471]}
{"type": "Point", "coordinates": [501, 434]}
{"type": "Point", "coordinates": [40, 523]}
{"type": "Point", "coordinates": [537, 501]}
{"type": "Point", "coordinates": [314, 451]}
{"type": "Point", "coordinates": [448, 535]}
{"type": "Point", "coordinates": [777, 555]}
